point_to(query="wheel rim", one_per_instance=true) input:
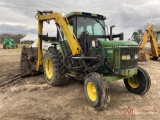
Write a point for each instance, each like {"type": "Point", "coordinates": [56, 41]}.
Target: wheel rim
{"type": "Point", "coordinates": [48, 68]}
{"type": "Point", "coordinates": [134, 82]}
{"type": "Point", "coordinates": [92, 92]}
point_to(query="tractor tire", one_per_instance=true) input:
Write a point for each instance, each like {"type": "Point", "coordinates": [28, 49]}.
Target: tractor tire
{"type": "Point", "coordinates": [96, 91]}
{"type": "Point", "coordinates": [54, 70]}
{"type": "Point", "coordinates": [140, 83]}
{"type": "Point", "coordinates": [154, 58]}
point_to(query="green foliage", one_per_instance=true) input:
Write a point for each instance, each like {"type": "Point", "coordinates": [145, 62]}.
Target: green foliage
{"type": "Point", "coordinates": [137, 35]}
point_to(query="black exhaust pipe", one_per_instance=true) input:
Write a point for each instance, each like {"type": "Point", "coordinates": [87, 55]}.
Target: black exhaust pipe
{"type": "Point", "coordinates": [111, 32]}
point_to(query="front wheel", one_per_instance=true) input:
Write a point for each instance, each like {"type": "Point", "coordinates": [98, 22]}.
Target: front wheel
{"type": "Point", "coordinates": [96, 91]}
{"type": "Point", "coordinates": [139, 83]}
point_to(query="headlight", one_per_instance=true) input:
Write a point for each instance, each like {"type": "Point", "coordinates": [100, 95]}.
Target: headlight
{"type": "Point", "coordinates": [136, 56]}
{"type": "Point", "coordinates": [126, 57]}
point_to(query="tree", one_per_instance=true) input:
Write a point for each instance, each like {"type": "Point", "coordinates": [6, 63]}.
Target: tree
{"type": "Point", "coordinates": [16, 37]}
{"type": "Point", "coordinates": [137, 35]}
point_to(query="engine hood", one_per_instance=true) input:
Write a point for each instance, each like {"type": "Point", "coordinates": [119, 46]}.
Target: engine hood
{"type": "Point", "coordinates": [118, 43]}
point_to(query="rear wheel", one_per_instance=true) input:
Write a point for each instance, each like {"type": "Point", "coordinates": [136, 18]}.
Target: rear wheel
{"type": "Point", "coordinates": [54, 70]}
{"type": "Point", "coordinates": [139, 83]}
{"type": "Point", "coordinates": [96, 91]}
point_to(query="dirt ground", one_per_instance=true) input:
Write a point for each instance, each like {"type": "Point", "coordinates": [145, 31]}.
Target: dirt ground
{"type": "Point", "coordinates": [32, 98]}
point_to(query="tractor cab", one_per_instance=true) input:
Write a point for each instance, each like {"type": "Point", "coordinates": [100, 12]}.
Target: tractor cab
{"type": "Point", "coordinates": [87, 22]}
{"type": "Point", "coordinates": [91, 24]}
{"type": "Point", "coordinates": [89, 29]}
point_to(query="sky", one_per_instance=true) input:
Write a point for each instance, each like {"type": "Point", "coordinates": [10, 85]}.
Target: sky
{"type": "Point", "coordinates": [18, 16]}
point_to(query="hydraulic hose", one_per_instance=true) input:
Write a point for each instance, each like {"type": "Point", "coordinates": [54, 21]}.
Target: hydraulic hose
{"type": "Point", "coordinates": [71, 68]}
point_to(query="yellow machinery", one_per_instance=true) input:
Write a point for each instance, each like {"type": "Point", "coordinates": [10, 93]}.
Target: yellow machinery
{"type": "Point", "coordinates": [154, 38]}
{"type": "Point", "coordinates": [64, 25]}
{"type": "Point", "coordinates": [30, 54]}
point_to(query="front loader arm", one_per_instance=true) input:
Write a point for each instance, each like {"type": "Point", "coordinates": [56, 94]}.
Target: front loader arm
{"type": "Point", "coordinates": [65, 27]}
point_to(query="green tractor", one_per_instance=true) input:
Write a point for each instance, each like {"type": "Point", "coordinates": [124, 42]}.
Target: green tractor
{"type": "Point", "coordinates": [9, 43]}
{"type": "Point", "coordinates": [83, 51]}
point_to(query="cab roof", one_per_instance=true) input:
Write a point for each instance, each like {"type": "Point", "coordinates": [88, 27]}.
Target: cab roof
{"type": "Point", "coordinates": [85, 14]}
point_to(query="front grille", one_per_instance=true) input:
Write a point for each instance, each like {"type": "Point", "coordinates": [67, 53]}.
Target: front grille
{"type": "Point", "coordinates": [129, 63]}
{"type": "Point", "coordinates": [129, 51]}
{"type": "Point", "coordinates": [132, 62]}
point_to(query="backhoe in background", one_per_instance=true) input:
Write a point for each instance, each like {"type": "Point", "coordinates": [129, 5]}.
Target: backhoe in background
{"type": "Point", "coordinates": [154, 38]}
{"type": "Point", "coordinates": [83, 51]}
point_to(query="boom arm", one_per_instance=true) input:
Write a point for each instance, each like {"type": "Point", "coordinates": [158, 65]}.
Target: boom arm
{"type": "Point", "coordinates": [146, 36]}
{"type": "Point", "coordinates": [65, 27]}
{"type": "Point", "coordinates": [149, 34]}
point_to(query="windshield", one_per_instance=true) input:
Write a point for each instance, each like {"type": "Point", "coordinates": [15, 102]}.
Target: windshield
{"type": "Point", "coordinates": [92, 25]}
